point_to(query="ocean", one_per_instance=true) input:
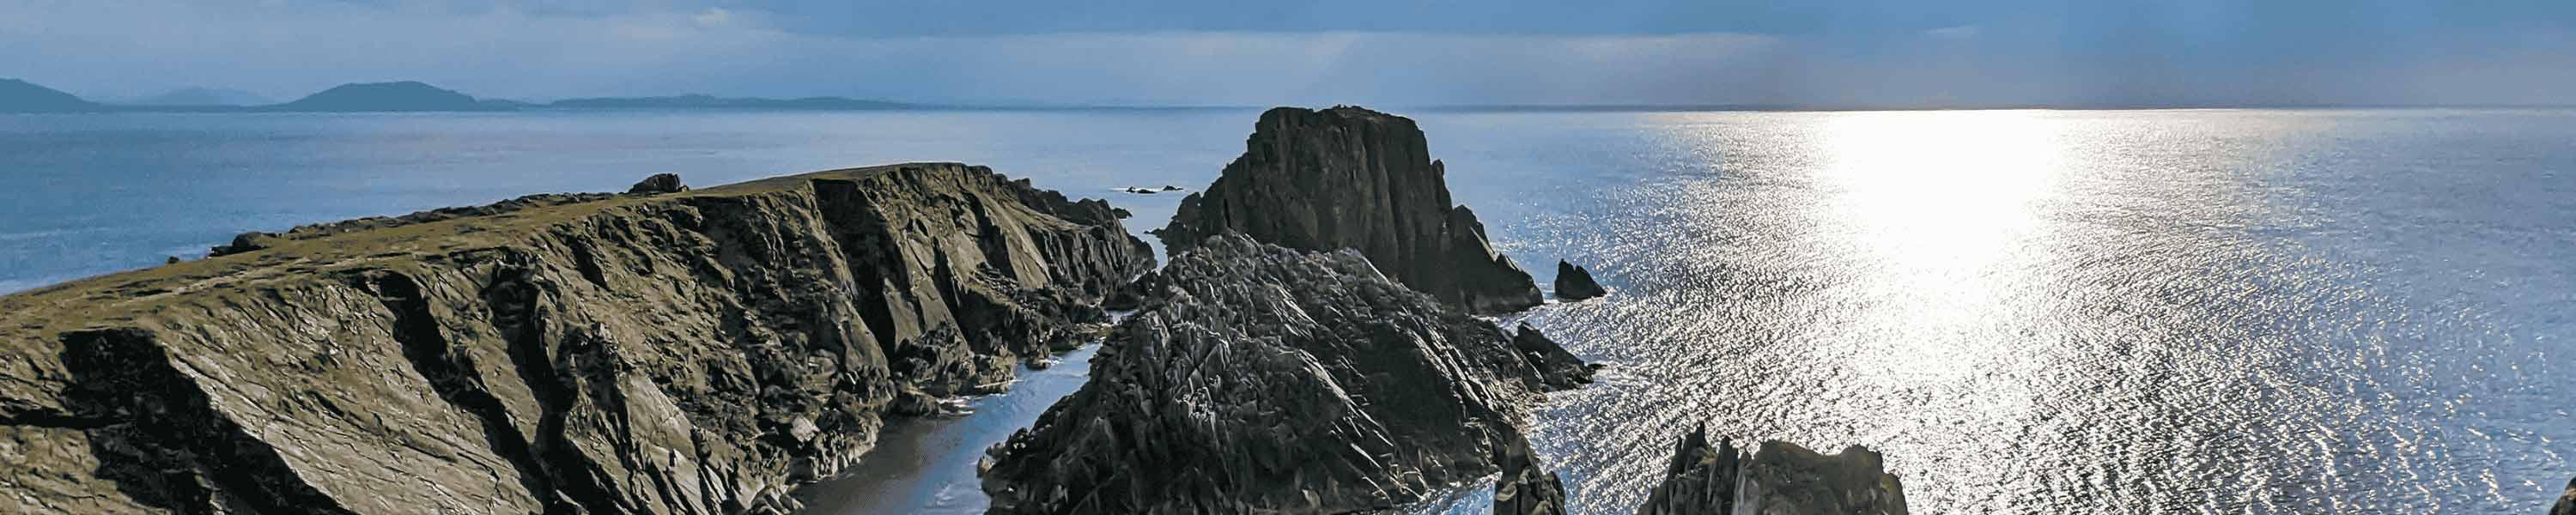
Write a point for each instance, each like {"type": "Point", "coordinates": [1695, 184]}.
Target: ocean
{"type": "Point", "coordinates": [2168, 311]}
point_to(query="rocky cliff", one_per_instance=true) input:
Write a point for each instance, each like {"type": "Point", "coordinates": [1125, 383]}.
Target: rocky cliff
{"type": "Point", "coordinates": [694, 352]}
{"type": "Point", "coordinates": [1260, 379]}
{"type": "Point", "coordinates": [1714, 478]}
{"type": "Point", "coordinates": [2566, 501]}
{"type": "Point", "coordinates": [1353, 178]}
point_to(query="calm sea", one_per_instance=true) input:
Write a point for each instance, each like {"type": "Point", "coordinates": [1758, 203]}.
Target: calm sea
{"type": "Point", "coordinates": [2027, 311]}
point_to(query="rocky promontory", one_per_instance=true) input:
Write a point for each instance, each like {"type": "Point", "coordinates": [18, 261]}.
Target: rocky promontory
{"type": "Point", "coordinates": [1575, 283]}
{"type": "Point", "coordinates": [691, 352]}
{"type": "Point", "coordinates": [1349, 177]}
{"type": "Point", "coordinates": [1262, 379]}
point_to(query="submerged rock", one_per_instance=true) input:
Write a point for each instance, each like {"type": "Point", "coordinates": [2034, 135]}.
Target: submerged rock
{"type": "Point", "coordinates": [1523, 488]}
{"type": "Point", "coordinates": [657, 184]}
{"type": "Point", "coordinates": [1260, 379]}
{"type": "Point", "coordinates": [1349, 177]}
{"type": "Point", "coordinates": [675, 354]}
{"type": "Point", "coordinates": [1575, 283]}
{"type": "Point", "coordinates": [1714, 478]}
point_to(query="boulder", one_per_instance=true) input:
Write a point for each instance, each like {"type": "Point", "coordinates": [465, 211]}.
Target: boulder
{"type": "Point", "coordinates": [1353, 178]}
{"type": "Point", "coordinates": [1262, 379]}
{"type": "Point", "coordinates": [1714, 478]}
{"type": "Point", "coordinates": [1575, 283]}
{"type": "Point", "coordinates": [659, 183]}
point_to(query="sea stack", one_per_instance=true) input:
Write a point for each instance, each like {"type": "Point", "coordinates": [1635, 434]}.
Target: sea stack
{"type": "Point", "coordinates": [1262, 379]}
{"type": "Point", "coordinates": [690, 353]}
{"type": "Point", "coordinates": [2566, 501]}
{"type": "Point", "coordinates": [1575, 283]}
{"type": "Point", "coordinates": [1349, 177]}
{"type": "Point", "coordinates": [1714, 478]}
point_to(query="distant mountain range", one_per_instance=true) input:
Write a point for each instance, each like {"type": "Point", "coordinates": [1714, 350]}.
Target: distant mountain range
{"type": "Point", "coordinates": [201, 97]}
{"type": "Point", "coordinates": [18, 96]}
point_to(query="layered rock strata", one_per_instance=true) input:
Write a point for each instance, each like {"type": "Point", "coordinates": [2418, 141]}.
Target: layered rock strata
{"type": "Point", "coordinates": [693, 352]}
{"type": "Point", "coordinates": [1714, 478]}
{"type": "Point", "coordinates": [1349, 177]}
{"type": "Point", "coordinates": [1261, 379]}
{"type": "Point", "coordinates": [1575, 283]}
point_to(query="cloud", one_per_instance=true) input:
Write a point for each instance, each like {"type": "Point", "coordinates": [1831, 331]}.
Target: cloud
{"type": "Point", "coordinates": [537, 51]}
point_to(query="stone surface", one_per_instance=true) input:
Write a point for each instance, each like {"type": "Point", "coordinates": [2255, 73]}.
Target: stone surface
{"type": "Point", "coordinates": [699, 352]}
{"type": "Point", "coordinates": [1575, 283]}
{"type": "Point", "coordinates": [1352, 178]}
{"type": "Point", "coordinates": [1524, 488]}
{"type": "Point", "coordinates": [1780, 478]}
{"type": "Point", "coordinates": [657, 184]}
{"type": "Point", "coordinates": [2566, 501]}
{"type": "Point", "coordinates": [1261, 379]}
{"type": "Point", "coordinates": [256, 241]}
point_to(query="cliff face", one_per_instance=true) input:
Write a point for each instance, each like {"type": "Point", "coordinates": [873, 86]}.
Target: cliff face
{"type": "Point", "coordinates": [1259, 379]}
{"type": "Point", "coordinates": [1779, 479]}
{"type": "Point", "coordinates": [682, 353]}
{"type": "Point", "coordinates": [1352, 178]}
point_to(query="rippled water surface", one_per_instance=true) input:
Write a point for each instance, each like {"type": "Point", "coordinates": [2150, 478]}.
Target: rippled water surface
{"type": "Point", "coordinates": [2027, 311]}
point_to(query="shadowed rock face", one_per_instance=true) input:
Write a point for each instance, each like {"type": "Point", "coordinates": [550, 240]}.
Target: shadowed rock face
{"type": "Point", "coordinates": [1781, 478]}
{"type": "Point", "coordinates": [1352, 178]}
{"type": "Point", "coordinates": [694, 352]}
{"type": "Point", "coordinates": [1260, 379]}
{"type": "Point", "coordinates": [1575, 283]}
{"type": "Point", "coordinates": [1524, 488]}
{"type": "Point", "coordinates": [2566, 501]}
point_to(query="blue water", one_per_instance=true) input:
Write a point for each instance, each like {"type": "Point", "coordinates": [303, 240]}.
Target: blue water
{"type": "Point", "coordinates": [2027, 311]}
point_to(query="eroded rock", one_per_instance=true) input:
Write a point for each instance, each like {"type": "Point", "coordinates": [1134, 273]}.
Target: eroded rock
{"type": "Point", "coordinates": [2566, 501]}
{"type": "Point", "coordinates": [1524, 488]}
{"type": "Point", "coordinates": [1780, 478]}
{"type": "Point", "coordinates": [1349, 177]}
{"type": "Point", "coordinates": [1263, 379]}
{"type": "Point", "coordinates": [657, 184]}
{"type": "Point", "coordinates": [1575, 283]}
{"type": "Point", "coordinates": [677, 354]}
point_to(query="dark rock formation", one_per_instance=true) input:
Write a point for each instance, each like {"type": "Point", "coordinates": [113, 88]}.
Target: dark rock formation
{"type": "Point", "coordinates": [659, 183]}
{"type": "Point", "coordinates": [678, 354]}
{"type": "Point", "coordinates": [1560, 368]}
{"type": "Point", "coordinates": [1525, 489]}
{"type": "Point", "coordinates": [1779, 479]}
{"type": "Point", "coordinates": [1574, 283]}
{"type": "Point", "coordinates": [2566, 501]}
{"type": "Point", "coordinates": [1352, 178]}
{"type": "Point", "coordinates": [1260, 379]}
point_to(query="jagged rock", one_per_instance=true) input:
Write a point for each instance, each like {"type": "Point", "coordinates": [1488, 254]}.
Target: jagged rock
{"type": "Point", "coordinates": [1352, 178]}
{"type": "Point", "coordinates": [1781, 478]}
{"type": "Point", "coordinates": [1575, 283]}
{"type": "Point", "coordinates": [172, 261]}
{"type": "Point", "coordinates": [657, 184]}
{"type": "Point", "coordinates": [2566, 501]}
{"type": "Point", "coordinates": [675, 354]}
{"type": "Point", "coordinates": [1559, 367]}
{"type": "Point", "coordinates": [1523, 488]}
{"type": "Point", "coordinates": [1260, 379]}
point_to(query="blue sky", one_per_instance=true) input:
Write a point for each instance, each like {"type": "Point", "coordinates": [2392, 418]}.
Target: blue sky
{"type": "Point", "coordinates": [1345, 51]}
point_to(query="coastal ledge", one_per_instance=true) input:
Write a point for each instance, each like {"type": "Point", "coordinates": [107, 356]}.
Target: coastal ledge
{"type": "Point", "coordinates": [690, 352]}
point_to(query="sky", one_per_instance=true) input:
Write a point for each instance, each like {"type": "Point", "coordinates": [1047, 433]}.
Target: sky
{"type": "Point", "coordinates": [1382, 52]}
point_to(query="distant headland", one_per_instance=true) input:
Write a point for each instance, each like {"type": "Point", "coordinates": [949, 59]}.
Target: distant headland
{"type": "Point", "coordinates": [19, 96]}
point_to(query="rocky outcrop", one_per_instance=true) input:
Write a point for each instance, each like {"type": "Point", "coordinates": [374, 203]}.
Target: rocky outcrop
{"type": "Point", "coordinates": [684, 353]}
{"type": "Point", "coordinates": [657, 184]}
{"type": "Point", "coordinates": [1260, 379]}
{"type": "Point", "coordinates": [1714, 478]}
{"type": "Point", "coordinates": [1524, 488]}
{"type": "Point", "coordinates": [2566, 501]}
{"type": "Point", "coordinates": [1352, 178]}
{"type": "Point", "coordinates": [1575, 283]}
